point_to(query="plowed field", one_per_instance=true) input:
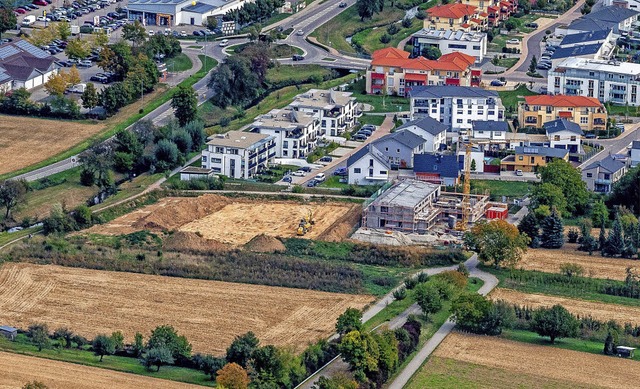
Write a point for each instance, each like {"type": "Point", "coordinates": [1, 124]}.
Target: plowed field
{"type": "Point", "coordinates": [209, 313]}
{"type": "Point", "coordinates": [594, 265]}
{"type": "Point", "coordinates": [543, 361]}
{"type": "Point", "coordinates": [601, 311]}
{"type": "Point", "coordinates": [20, 369]}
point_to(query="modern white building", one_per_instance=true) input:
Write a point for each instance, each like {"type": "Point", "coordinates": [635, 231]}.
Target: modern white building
{"type": "Point", "coordinates": [335, 110]}
{"type": "Point", "coordinates": [449, 41]}
{"type": "Point", "coordinates": [564, 134]}
{"type": "Point", "coordinates": [295, 133]}
{"type": "Point", "coordinates": [168, 13]}
{"type": "Point", "coordinates": [432, 131]}
{"type": "Point", "coordinates": [634, 153]}
{"type": "Point", "coordinates": [455, 106]}
{"type": "Point", "coordinates": [368, 166]}
{"type": "Point", "coordinates": [608, 81]}
{"type": "Point", "coordinates": [490, 130]}
{"type": "Point", "coordinates": [238, 154]}
{"type": "Point", "coordinates": [23, 65]}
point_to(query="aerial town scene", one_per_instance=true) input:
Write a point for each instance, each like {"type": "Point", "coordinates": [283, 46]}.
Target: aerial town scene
{"type": "Point", "coordinates": [319, 194]}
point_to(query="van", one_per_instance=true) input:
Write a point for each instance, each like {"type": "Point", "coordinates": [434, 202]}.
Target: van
{"type": "Point", "coordinates": [78, 88]}
{"type": "Point", "coordinates": [519, 172]}
{"type": "Point", "coordinates": [28, 20]}
{"type": "Point", "coordinates": [320, 177]}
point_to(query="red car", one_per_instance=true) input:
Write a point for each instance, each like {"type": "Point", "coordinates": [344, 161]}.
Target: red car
{"type": "Point", "coordinates": [40, 2]}
{"type": "Point", "coordinates": [20, 11]}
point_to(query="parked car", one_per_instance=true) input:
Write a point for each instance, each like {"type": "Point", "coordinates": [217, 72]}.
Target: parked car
{"type": "Point", "coordinates": [341, 171]}
{"type": "Point", "coordinates": [590, 135]}
{"type": "Point", "coordinates": [223, 42]}
{"type": "Point", "coordinates": [513, 41]}
{"type": "Point", "coordinates": [100, 78]}
{"type": "Point", "coordinates": [369, 127]}
{"type": "Point", "coordinates": [320, 177]}
{"type": "Point", "coordinates": [20, 11]}
{"type": "Point", "coordinates": [85, 63]}
{"type": "Point", "coordinates": [78, 88]}
{"type": "Point", "coordinates": [299, 173]}
{"type": "Point", "coordinates": [297, 57]}
{"type": "Point", "coordinates": [364, 131]}
{"type": "Point", "coordinates": [497, 83]}
{"type": "Point", "coordinates": [306, 169]}
{"type": "Point", "coordinates": [519, 172]}
{"type": "Point", "coordinates": [151, 32]}
{"type": "Point", "coordinates": [312, 183]}
{"type": "Point", "coordinates": [531, 25]}
{"type": "Point", "coordinates": [326, 158]}
{"type": "Point", "coordinates": [287, 179]}
{"type": "Point", "coordinates": [359, 137]}
{"type": "Point", "coordinates": [197, 33]}
{"type": "Point", "coordinates": [183, 34]}
{"type": "Point", "coordinates": [342, 5]}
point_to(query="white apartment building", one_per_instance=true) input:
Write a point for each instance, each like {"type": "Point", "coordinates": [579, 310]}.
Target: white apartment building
{"type": "Point", "coordinates": [432, 131]}
{"type": "Point", "coordinates": [456, 106]}
{"type": "Point", "coordinates": [335, 110]}
{"type": "Point", "coordinates": [238, 154]}
{"type": "Point", "coordinates": [449, 41]}
{"type": "Point", "coordinates": [295, 133]}
{"type": "Point", "coordinates": [608, 81]}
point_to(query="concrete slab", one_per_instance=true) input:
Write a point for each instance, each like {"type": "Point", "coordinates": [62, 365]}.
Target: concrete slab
{"type": "Point", "coordinates": [341, 151]}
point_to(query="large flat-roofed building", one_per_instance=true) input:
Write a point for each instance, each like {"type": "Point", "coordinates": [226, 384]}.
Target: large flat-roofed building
{"type": "Point", "coordinates": [168, 13]}
{"type": "Point", "coordinates": [238, 154]}
{"type": "Point", "coordinates": [336, 110]}
{"type": "Point", "coordinates": [449, 41]}
{"type": "Point", "coordinates": [295, 133]}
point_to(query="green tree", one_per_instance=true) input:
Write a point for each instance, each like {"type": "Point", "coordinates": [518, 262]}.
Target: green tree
{"type": "Point", "coordinates": [167, 154]}
{"type": "Point", "coordinates": [98, 160]}
{"type": "Point", "coordinates": [552, 236]}
{"type": "Point", "coordinates": [602, 239]}
{"type": "Point", "coordinates": [65, 334]}
{"type": "Point", "coordinates": [64, 30]}
{"type": "Point", "coordinates": [134, 33]}
{"type": "Point", "coordinates": [587, 242]}
{"type": "Point", "coordinates": [12, 194]}
{"type": "Point", "coordinates": [210, 365]}
{"type": "Point", "coordinates": [510, 24]}
{"type": "Point", "coordinates": [103, 345]}
{"type": "Point", "coordinates": [627, 190]}
{"type": "Point", "coordinates": [428, 298]}
{"type": "Point", "coordinates": [473, 166]}
{"type": "Point", "coordinates": [555, 322]}
{"type": "Point", "coordinates": [367, 8]}
{"type": "Point", "coordinates": [77, 48]}
{"type": "Point", "coordinates": [338, 381]}
{"type": "Point", "coordinates": [388, 350]}
{"type": "Point", "coordinates": [533, 64]}
{"type": "Point", "coordinates": [563, 175]}
{"type": "Point", "coordinates": [157, 356]}
{"type": "Point", "coordinates": [431, 52]}
{"type": "Point", "coordinates": [361, 352]}
{"type": "Point", "coordinates": [8, 18]}
{"type": "Point", "coordinates": [138, 344]}
{"type": "Point", "coordinates": [550, 195]}
{"type": "Point", "coordinates": [90, 97]}
{"type": "Point", "coordinates": [233, 83]}
{"type": "Point", "coordinates": [195, 129]}
{"type": "Point", "coordinates": [529, 226]}
{"type": "Point", "coordinates": [349, 320]}
{"type": "Point", "coordinates": [497, 242]}
{"type": "Point", "coordinates": [469, 311]}
{"type": "Point", "coordinates": [118, 340]}
{"type": "Point", "coordinates": [240, 350]}
{"type": "Point", "coordinates": [185, 105]}
{"type": "Point", "coordinates": [167, 336]}
{"type": "Point", "coordinates": [39, 335]}
{"type": "Point", "coordinates": [614, 244]}
{"type": "Point", "coordinates": [599, 213]}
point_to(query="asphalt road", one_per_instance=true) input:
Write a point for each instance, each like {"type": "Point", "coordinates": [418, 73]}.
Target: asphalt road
{"type": "Point", "coordinates": [616, 145]}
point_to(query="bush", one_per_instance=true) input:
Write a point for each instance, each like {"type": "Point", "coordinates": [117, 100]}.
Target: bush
{"type": "Point", "coordinates": [385, 38]}
{"type": "Point", "coordinates": [571, 269]}
{"type": "Point", "coordinates": [572, 235]}
{"type": "Point", "coordinates": [410, 283]}
{"type": "Point", "coordinates": [406, 22]}
{"type": "Point", "coordinates": [400, 294]}
{"type": "Point", "coordinates": [453, 277]}
{"type": "Point", "coordinates": [393, 29]}
{"type": "Point", "coordinates": [422, 277]}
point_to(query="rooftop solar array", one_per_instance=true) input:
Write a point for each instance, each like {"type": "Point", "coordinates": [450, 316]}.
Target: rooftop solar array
{"type": "Point", "coordinates": [7, 51]}
{"type": "Point", "coordinates": [31, 49]}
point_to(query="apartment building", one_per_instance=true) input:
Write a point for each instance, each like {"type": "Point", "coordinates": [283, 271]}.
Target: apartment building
{"type": "Point", "coordinates": [618, 19]}
{"type": "Point", "coordinates": [392, 71]}
{"type": "Point", "coordinates": [608, 81]}
{"type": "Point", "coordinates": [335, 110]}
{"type": "Point", "coordinates": [455, 16]}
{"type": "Point", "coordinates": [601, 175]}
{"type": "Point", "coordinates": [563, 134]}
{"type": "Point", "coordinates": [238, 154]}
{"type": "Point", "coordinates": [451, 41]}
{"type": "Point", "coordinates": [500, 11]}
{"type": "Point", "coordinates": [455, 106]}
{"type": "Point", "coordinates": [295, 133]}
{"type": "Point", "coordinates": [588, 112]}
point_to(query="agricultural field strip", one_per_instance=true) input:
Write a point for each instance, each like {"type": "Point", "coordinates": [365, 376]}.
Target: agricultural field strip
{"type": "Point", "coordinates": [209, 313]}
{"type": "Point", "coordinates": [19, 369]}
{"type": "Point", "coordinates": [549, 362]}
{"type": "Point", "coordinates": [601, 311]}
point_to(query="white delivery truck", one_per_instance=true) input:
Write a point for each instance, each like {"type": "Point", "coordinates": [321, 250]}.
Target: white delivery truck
{"type": "Point", "coordinates": [78, 88]}
{"type": "Point", "coordinates": [75, 29]}
{"type": "Point", "coordinates": [28, 20]}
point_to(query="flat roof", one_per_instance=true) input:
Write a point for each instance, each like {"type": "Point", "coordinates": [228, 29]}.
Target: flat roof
{"type": "Point", "coordinates": [239, 139]}
{"type": "Point", "coordinates": [407, 193]}
{"type": "Point", "coordinates": [322, 98]}
{"type": "Point", "coordinates": [195, 170]}
{"type": "Point", "coordinates": [285, 119]}
{"type": "Point", "coordinates": [450, 35]}
{"type": "Point", "coordinates": [628, 68]}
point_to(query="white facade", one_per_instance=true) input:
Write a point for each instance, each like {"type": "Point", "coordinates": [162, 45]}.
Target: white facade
{"type": "Point", "coordinates": [168, 13]}
{"type": "Point", "coordinates": [500, 136]}
{"type": "Point", "coordinates": [634, 153]}
{"type": "Point", "coordinates": [370, 168]}
{"type": "Point", "coordinates": [565, 140]}
{"type": "Point", "coordinates": [478, 157]}
{"type": "Point", "coordinates": [449, 41]}
{"type": "Point", "coordinates": [335, 110]}
{"type": "Point", "coordinates": [608, 81]}
{"type": "Point", "coordinates": [432, 142]}
{"type": "Point", "coordinates": [295, 133]}
{"type": "Point", "coordinates": [238, 154]}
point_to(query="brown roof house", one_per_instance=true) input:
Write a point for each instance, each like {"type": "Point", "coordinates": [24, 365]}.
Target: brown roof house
{"type": "Point", "coordinates": [23, 65]}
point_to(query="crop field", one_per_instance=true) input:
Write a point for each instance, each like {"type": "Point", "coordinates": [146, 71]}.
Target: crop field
{"type": "Point", "coordinates": [594, 265]}
{"type": "Point", "coordinates": [581, 369]}
{"type": "Point", "coordinates": [598, 310]}
{"type": "Point", "coordinates": [209, 313]}
{"type": "Point", "coordinates": [41, 137]}
{"type": "Point", "coordinates": [233, 222]}
{"type": "Point", "coordinates": [20, 369]}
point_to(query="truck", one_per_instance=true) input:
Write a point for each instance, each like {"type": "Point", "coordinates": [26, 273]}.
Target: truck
{"type": "Point", "coordinates": [28, 20]}
{"type": "Point", "coordinates": [75, 29]}
{"type": "Point", "coordinates": [78, 88]}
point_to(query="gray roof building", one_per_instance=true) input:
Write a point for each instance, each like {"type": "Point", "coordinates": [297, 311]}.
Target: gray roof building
{"type": "Point", "coordinates": [562, 125]}
{"type": "Point", "coordinates": [577, 51]}
{"type": "Point", "coordinates": [21, 61]}
{"type": "Point", "coordinates": [429, 124]}
{"type": "Point", "coordinates": [609, 164]}
{"type": "Point", "coordinates": [437, 92]}
{"type": "Point", "coordinates": [404, 137]}
{"type": "Point", "coordinates": [363, 151]}
{"type": "Point", "coordinates": [585, 37]}
{"type": "Point", "coordinates": [542, 151]}
{"type": "Point", "coordinates": [489, 125]}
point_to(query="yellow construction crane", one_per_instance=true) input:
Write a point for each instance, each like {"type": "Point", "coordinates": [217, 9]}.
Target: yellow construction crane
{"type": "Point", "coordinates": [466, 189]}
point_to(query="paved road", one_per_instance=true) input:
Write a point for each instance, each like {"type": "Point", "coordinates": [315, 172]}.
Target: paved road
{"type": "Point", "coordinates": [616, 145]}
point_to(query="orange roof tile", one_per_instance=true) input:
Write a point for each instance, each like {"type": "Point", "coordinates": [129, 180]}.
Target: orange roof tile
{"type": "Point", "coordinates": [390, 52]}
{"type": "Point", "coordinates": [465, 25]}
{"type": "Point", "coordinates": [563, 101]}
{"type": "Point", "coordinates": [484, 14]}
{"type": "Point", "coordinates": [458, 56]}
{"type": "Point", "coordinates": [452, 11]}
{"type": "Point", "coordinates": [398, 58]}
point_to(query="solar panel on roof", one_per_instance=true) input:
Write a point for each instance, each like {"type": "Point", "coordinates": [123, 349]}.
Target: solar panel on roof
{"type": "Point", "coordinates": [8, 51]}
{"type": "Point", "coordinates": [31, 49]}
{"type": "Point", "coordinates": [4, 77]}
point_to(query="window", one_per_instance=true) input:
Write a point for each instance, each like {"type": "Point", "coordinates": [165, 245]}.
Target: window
{"type": "Point", "coordinates": [386, 149]}
{"type": "Point", "coordinates": [233, 151]}
{"type": "Point", "coordinates": [520, 158]}
{"type": "Point", "coordinates": [607, 176]}
{"type": "Point", "coordinates": [285, 144]}
{"type": "Point", "coordinates": [204, 158]}
{"type": "Point", "coordinates": [573, 138]}
{"type": "Point", "coordinates": [480, 132]}
{"type": "Point", "coordinates": [468, 112]}
{"type": "Point", "coordinates": [220, 150]}
{"type": "Point", "coordinates": [357, 170]}
{"type": "Point", "coordinates": [556, 138]}
{"type": "Point", "coordinates": [383, 172]}
{"type": "Point", "coordinates": [480, 112]}
{"type": "Point", "coordinates": [459, 121]}
{"type": "Point", "coordinates": [371, 162]}
{"type": "Point", "coordinates": [216, 160]}
{"type": "Point", "coordinates": [584, 120]}
{"type": "Point", "coordinates": [491, 112]}
{"type": "Point", "coordinates": [476, 47]}
{"type": "Point", "coordinates": [216, 169]}
{"type": "Point", "coordinates": [384, 209]}
{"type": "Point", "coordinates": [397, 151]}
{"type": "Point", "coordinates": [324, 123]}
{"type": "Point", "coordinates": [589, 175]}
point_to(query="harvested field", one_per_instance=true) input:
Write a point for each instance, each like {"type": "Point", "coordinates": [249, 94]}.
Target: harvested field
{"type": "Point", "coordinates": [44, 139]}
{"type": "Point", "coordinates": [548, 362]}
{"type": "Point", "coordinates": [210, 313]}
{"type": "Point", "coordinates": [594, 265]}
{"type": "Point", "coordinates": [235, 222]}
{"type": "Point", "coordinates": [20, 369]}
{"type": "Point", "coordinates": [601, 311]}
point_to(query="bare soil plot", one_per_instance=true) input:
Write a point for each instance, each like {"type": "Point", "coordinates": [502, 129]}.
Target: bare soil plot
{"type": "Point", "coordinates": [209, 313]}
{"type": "Point", "coordinates": [19, 369]}
{"type": "Point", "coordinates": [235, 222]}
{"type": "Point", "coordinates": [594, 265]}
{"type": "Point", "coordinates": [548, 362]}
{"type": "Point", "coordinates": [601, 311]}
{"type": "Point", "coordinates": [25, 141]}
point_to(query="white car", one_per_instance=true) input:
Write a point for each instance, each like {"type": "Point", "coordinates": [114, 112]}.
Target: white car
{"type": "Point", "coordinates": [151, 32]}
{"type": "Point", "coordinates": [183, 34]}
{"type": "Point", "coordinates": [43, 19]}
{"type": "Point", "coordinates": [300, 32]}
{"type": "Point", "coordinates": [224, 42]}
{"type": "Point", "coordinates": [299, 173]}
{"type": "Point", "coordinates": [513, 41]}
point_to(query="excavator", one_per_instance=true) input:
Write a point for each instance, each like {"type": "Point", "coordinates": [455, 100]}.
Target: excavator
{"type": "Point", "coordinates": [306, 223]}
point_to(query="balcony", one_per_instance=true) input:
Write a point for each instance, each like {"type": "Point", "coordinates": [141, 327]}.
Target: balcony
{"type": "Point", "coordinates": [602, 181]}
{"type": "Point", "coordinates": [531, 120]}
{"type": "Point", "coordinates": [599, 122]}
{"type": "Point", "coordinates": [272, 155]}
{"type": "Point", "coordinates": [573, 87]}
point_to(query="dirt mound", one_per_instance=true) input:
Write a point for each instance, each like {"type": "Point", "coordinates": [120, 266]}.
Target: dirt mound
{"type": "Point", "coordinates": [191, 241]}
{"type": "Point", "coordinates": [342, 227]}
{"type": "Point", "coordinates": [265, 244]}
{"type": "Point", "coordinates": [177, 212]}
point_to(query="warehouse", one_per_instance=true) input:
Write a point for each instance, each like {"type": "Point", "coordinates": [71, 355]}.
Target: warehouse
{"type": "Point", "coordinates": [168, 13]}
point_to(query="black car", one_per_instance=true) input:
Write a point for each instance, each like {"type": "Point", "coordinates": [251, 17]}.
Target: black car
{"type": "Point", "coordinates": [306, 169]}
{"type": "Point", "coordinates": [297, 57]}
{"type": "Point", "coordinates": [100, 78]}
{"type": "Point", "coordinates": [312, 183]}
{"type": "Point", "coordinates": [197, 33]}
{"type": "Point", "coordinates": [342, 5]}
{"type": "Point", "coordinates": [531, 25]}
{"type": "Point", "coordinates": [326, 158]}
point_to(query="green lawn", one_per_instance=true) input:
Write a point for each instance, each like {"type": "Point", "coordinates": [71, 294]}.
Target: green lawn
{"type": "Point", "coordinates": [179, 63]}
{"type": "Point", "coordinates": [510, 98]}
{"type": "Point", "coordinates": [369, 39]}
{"type": "Point", "coordinates": [498, 189]}
{"type": "Point", "coordinates": [124, 364]}
{"type": "Point", "coordinates": [376, 120]}
{"type": "Point", "coordinates": [333, 182]}
{"type": "Point", "coordinates": [298, 73]}
{"type": "Point", "coordinates": [380, 103]}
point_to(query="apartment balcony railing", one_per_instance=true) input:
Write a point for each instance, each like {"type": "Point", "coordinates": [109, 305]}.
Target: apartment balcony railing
{"type": "Point", "coordinates": [602, 181]}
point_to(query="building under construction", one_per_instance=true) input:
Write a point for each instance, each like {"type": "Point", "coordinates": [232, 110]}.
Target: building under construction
{"type": "Point", "coordinates": [412, 206]}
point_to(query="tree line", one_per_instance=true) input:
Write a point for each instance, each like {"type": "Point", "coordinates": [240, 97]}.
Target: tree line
{"type": "Point", "coordinates": [253, 12]}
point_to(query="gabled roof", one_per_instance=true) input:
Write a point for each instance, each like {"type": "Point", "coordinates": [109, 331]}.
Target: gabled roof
{"type": "Point", "coordinates": [542, 151]}
{"type": "Point", "coordinates": [445, 165]}
{"type": "Point", "coordinates": [587, 36]}
{"type": "Point", "coordinates": [390, 52]}
{"type": "Point", "coordinates": [8, 328]}
{"type": "Point", "coordinates": [563, 101]}
{"type": "Point", "coordinates": [591, 25]}
{"type": "Point", "coordinates": [609, 164]}
{"type": "Point", "coordinates": [367, 150]}
{"type": "Point", "coordinates": [489, 125]}
{"type": "Point", "coordinates": [440, 91]}
{"type": "Point", "coordinates": [404, 137]}
{"type": "Point", "coordinates": [457, 57]}
{"type": "Point", "coordinates": [562, 125]}
{"type": "Point", "coordinates": [20, 60]}
{"type": "Point", "coordinates": [429, 124]}
{"type": "Point", "coordinates": [611, 14]}
{"type": "Point", "coordinates": [635, 145]}
{"type": "Point", "coordinates": [452, 11]}
{"type": "Point", "coordinates": [400, 58]}
{"type": "Point", "coordinates": [576, 51]}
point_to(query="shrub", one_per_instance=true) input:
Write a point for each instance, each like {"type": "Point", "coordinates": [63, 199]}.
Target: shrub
{"type": "Point", "coordinates": [572, 235]}
{"type": "Point", "coordinates": [454, 277]}
{"type": "Point", "coordinates": [385, 38]}
{"type": "Point", "coordinates": [571, 269]}
{"type": "Point", "coordinates": [392, 29]}
{"type": "Point", "coordinates": [400, 294]}
{"type": "Point", "coordinates": [406, 22]}
{"type": "Point", "coordinates": [422, 277]}
{"type": "Point", "coordinates": [410, 283]}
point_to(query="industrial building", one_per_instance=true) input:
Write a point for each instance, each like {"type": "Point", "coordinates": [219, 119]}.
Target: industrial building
{"type": "Point", "coordinates": [170, 13]}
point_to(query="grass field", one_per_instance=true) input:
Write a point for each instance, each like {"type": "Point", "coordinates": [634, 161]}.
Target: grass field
{"type": "Point", "coordinates": [20, 369]}
{"type": "Point", "coordinates": [512, 97]}
{"type": "Point", "coordinates": [179, 63]}
{"type": "Point", "coordinates": [497, 189]}
{"type": "Point", "coordinates": [369, 39]}
{"type": "Point", "coordinates": [209, 313]}
{"type": "Point", "coordinates": [302, 73]}
{"type": "Point", "coordinates": [380, 103]}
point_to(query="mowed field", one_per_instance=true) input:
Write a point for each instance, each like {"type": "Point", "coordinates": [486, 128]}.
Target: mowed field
{"type": "Point", "coordinates": [209, 313]}
{"type": "Point", "coordinates": [601, 311]}
{"type": "Point", "coordinates": [16, 370]}
{"type": "Point", "coordinates": [549, 363]}
{"type": "Point", "coordinates": [232, 221]}
{"type": "Point", "coordinates": [25, 141]}
{"type": "Point", "coordinates": [594, 265]}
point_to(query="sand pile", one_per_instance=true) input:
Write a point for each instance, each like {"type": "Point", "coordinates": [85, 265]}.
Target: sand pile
{"type": "Point", "coordinates": [265, 244]}
{"type": "Point", "coordinates": [177, 213]}
{"type": "Point", "coordinates": [191, 241]}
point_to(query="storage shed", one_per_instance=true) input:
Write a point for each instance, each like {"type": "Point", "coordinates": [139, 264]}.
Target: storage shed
{"type": "Point", "coordinates": [497, 211]}
{"type": "Point", "coordinates": [8, 332]}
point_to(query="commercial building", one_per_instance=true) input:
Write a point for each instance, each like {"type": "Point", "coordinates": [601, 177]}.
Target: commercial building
{"type": "Point", "coordinates": [601, 50]}
{"type": "Point", "coordinates": [169, 13]}
{"type": "Point", "coordinates": [335, 110]}
{"type": "Point", "coordinates": [238, 154]}
{"type": "Point", "coordinates": [588, 112]}
{"type": "Point", "coordinates": [563, 134]}
{"type": "Point", "coordinates": [392, 71]}
{"type": "Point", "coordinates": [608, 81]}
{"type": "Point", "coordinates": [23, 65]}
{"type": "Point", "coordinates": [529, 158]}
{"type": "Point", "coordinates": [455, 106]}
{"type": "Point", "coordinates": [295, 133]}
{"type": "Point", "coordinates": [601, 175]}
{"type": "Point", "coordinates": [451, 41]}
